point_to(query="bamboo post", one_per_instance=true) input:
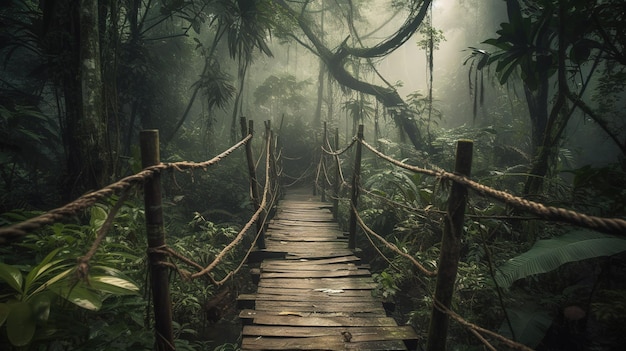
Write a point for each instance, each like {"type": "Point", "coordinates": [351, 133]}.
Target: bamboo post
{"type": "Point", "coordinates": [323, 161]}
{"type": "Point", "coordinates": [336, 183]}
{"type": "Point", "coordinates": [356, 181]}
{"type": "Point", "coordinates": [450, 248]}
{"type": "Point", "coordinates": [254, 190]}
{"type": "Point", "coordinates": [159, 281]}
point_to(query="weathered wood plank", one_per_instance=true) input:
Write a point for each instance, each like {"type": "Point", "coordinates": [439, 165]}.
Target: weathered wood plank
{"type": "Point", "coordinates": [319, 321]}
{"type": "Point", "coordinates": [404, 332]}
{"type": "Point", "coordinates": [317, 274]}
{"type": "Point", "coordinates": [321, 296]}
{"type": "Point", "coordinates": [318, 343]}
{"type": "Point", "coordinates": [312, 267]}
{"type": "Point", "coordinates": [291, 263]}
{"type": "Point", "coordinates": [313, 293]}
{"type": "Point", "coordinates": [358, 283]}
{"type": "Point", "coordinates": [320, 306]}
{"type": "Point", "coordinates": [248, 314]}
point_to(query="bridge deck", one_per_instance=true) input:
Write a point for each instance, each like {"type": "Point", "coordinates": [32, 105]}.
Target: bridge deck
{"type": "Point", "coordinates": [319, 297]}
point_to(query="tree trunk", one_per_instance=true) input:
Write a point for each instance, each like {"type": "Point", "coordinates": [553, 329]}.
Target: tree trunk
{"type": "Point", "coordinates": [93, 144]}
{"type": "Point", "coordinates": [317, 121]}
{"type": "Point", "coordinates": [77, 57]}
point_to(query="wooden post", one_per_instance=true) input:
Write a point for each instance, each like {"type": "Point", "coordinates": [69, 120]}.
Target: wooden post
{"type": "Point", "coordinates": [356, 181]}
{"type": "Point", "coordinates": [323, 161]}
{"type": "Point", "coordinates": [450, 248]}
{"type": "Point", "coordinates": [314, 163]}
{"type": "Point", "coordinates": [159, 281]}
{"type": "Point", "coordinates": [336, 183]}
{"type": "Point", "coordinates": [272, 166]}
{"type": "Point", "coordinates": [254, 190]}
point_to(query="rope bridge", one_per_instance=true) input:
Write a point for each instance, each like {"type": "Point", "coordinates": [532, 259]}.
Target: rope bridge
{"type": "Point", "coordinates": [453, 220]}
{"type": "Point", "coordinates": [299, 259]}
{"type": "Point", "coordinates": [158, 251]}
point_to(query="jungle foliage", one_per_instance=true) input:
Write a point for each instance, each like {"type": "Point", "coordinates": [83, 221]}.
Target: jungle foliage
{"type": "Point", "coordinates": [192, 68]}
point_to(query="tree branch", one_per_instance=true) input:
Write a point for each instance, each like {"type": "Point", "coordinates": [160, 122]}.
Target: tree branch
{"type": "Point", "coordinates": [389, 97]}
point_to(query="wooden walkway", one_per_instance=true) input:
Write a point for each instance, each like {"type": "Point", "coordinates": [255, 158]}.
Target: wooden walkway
{"type": "Point", "coordinates": [318, 296]}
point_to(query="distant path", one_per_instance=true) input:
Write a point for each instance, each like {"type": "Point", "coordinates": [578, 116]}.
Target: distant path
{"type": "Point", "coordinates": [319, 297]}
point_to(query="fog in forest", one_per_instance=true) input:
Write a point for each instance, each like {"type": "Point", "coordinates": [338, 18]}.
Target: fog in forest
{"type": "Point", "coordinates": [537, 87]}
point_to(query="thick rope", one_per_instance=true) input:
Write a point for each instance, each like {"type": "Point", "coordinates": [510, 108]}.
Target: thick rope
{"type": "Point", "coordinates": [338, 153]}
{"type": "Point", "coordinates": [246, 227]}
{"type": "Point", "coordinates": [512, 344]}
{"type": "Point", "coordinates": [393, 247]}
{"type": "Point", "coordinates": [73, 208]}
{"type": "Point", "coordinates": [607, 225]}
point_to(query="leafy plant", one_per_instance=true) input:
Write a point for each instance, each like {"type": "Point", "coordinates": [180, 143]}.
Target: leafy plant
{"type": "Point", "coordinates": [529, 325]}
{"type": "Point", "coordinates": [547, 255]}
{"type": "Point", "coordinates": [387, 286]}
{"type": "Point", "coordinates": [30, 300]}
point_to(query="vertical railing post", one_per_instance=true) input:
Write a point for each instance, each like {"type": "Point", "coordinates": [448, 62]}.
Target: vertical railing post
{"type": "Point", "coordinates": [356, 181]}
{"type": "Point", "coordinates": [159, 280]}
{"type": "Point", "coordinates": [273, 185]}
{"type": "Point", "coordinates": [323, 161]}
{"type": "Point", "coordinates": [254, 190]}
{"type": "Point", "coordinates": [450, 249]}
{"type": "Point", "coordinates": [315, 164]}
{"type": "Point", "coordinates": [336, 183]}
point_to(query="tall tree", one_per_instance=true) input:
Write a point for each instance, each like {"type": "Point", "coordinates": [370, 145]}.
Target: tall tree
{"type": "Point", "coordinates": [335, 60]}
{"type": "Point", "coordinates": [73, 34]}
{"type": "Point", "coordinates": [559, 43]}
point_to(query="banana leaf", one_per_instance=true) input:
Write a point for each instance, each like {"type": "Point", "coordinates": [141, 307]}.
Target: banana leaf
{"type": "Point", "coordinates": [530, 325]}
{"type": "Point", "coordinates": [547, 255]}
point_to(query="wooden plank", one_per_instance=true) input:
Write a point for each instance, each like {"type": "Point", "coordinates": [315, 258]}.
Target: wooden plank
{"type": "Point", "coordinates": [319, 306]}
{"type": "Point", "coordinates": [318, 343]}
{"type": "Point", "coordinates": [312, 267]}
{"type": "Point", "coordinates": [298, 245]}
{"type": "Point", "coordinates": [248, 314]}
{"type": "Point", "coordinates": [358, 283]}
{"type": "Point", "coordinates": [405, 332]}
{"type": "Point", "coordinates": [315, 255]}
{"type": "Point", "coordinates": [319, 321]}
{"type": "Point", "coordinates": [317, 274]}
{"type": "Point", "coordinates": [337, 297]}
{"type": "Point", "coordinates": [313, 293]}
{"type": "Point", "coordinates": [291, 263]}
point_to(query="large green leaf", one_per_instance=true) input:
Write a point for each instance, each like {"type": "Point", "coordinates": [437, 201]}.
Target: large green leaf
{"type": "Point", "coordinates": [113, 285]}
{"type": "Point", "coordinates": [98, 217]}
{"type": "Point", "coordinates": [4, 312]}
{"type": "Point", "coordinates": [41, 269]}
{"type": "Point", "coordinates": [79, 295]}
{"type": "Point", "coordinates": [547, 255]}
{"type": "Point", "coordinates": [12, 276]}
{"type": "Point", "coordinates": [530, 325]}
{"type": "Point", "coordinates": [21, 324]}
{"type": "Point", "coordinates": [41, 306]}
{"type": "Point", "coordinates": [52, 281]}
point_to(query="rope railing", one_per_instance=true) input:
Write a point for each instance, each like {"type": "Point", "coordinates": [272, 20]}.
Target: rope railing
{"type": "Point", "coordinates": [453, 221]}
{"type": "Point", "coordinates": [393, 247]}
{"type": "Point", "coordinates": [159, 252]}
{"type": "Point", "coordinates": [608, 225]}
{"type": "Point", "coordinates": [17, 230]}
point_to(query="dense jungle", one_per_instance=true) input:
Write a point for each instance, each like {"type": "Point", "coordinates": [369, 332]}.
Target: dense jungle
{"type": "Point", "coordinates": [538, 85]}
